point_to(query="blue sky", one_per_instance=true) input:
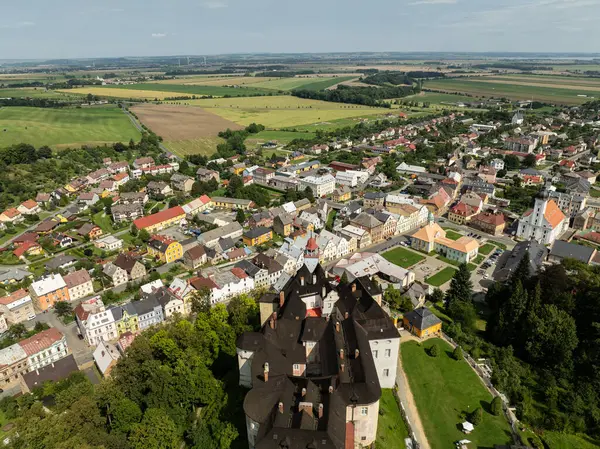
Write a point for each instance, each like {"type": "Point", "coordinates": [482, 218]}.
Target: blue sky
{"type": "Point", "coordinates": [85, 28]}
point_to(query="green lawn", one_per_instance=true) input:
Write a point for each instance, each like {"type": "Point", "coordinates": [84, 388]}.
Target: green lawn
{"type": "Point", "coordinates": [452, 235]}
{"type": "Point", "coordinates": [103, 221]}
{"type": "Point", "coordinates": [445, 390]}
{"type": "Point", "coordinates": [486, 249]}
{"type": "Point", "coordinates": [391, 429]}
{"type": "Point", "coordinates": [556, 440]}
{"type": "Point", "coordinates": [62, 127]}
{"type": "Point", "coordinates": [403, 257]}
{"type": "Point", "coordinates": [480, 258]}
{"type": "Point", "coordinates": [594, 193]}
{"type": "Point", "coordinates": [441, 277]}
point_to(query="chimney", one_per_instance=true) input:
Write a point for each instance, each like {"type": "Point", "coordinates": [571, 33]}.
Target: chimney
{"type": "Point", "coordinates": [266, 371]}
{"type": "Point", "coordinates": [281, 407]}
{"type": "Point", "coordinates": [303, 392]}
{"type": "Point", "coordinates": [321, 409]}
{"type": "Point", "coordinates": [342, 367]}
{"type": "Point", "coordinates": [356, 353]}
{"type": "Point", "coordinates": [323, 292]}
{"type": "Point", "coordinates": [337, 326]}
{"type": "Point", "coordinates": [302, 280]}
{"type": "Point", "coordinates": [345, 315]}
{"type": "Point", "coordinates": [342, 354]}
{"type": "Point", "coordinates": [314, 279]}
{"type": "Point", "coordinates": [330, 389]}
{"type": "Point", "coordinates": [281, 299]}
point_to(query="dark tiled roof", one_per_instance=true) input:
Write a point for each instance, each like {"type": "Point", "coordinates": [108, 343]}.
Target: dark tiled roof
{"type": "Point", "coordinates": [563, 249]}
{"type": "Point", "coordinates": [59, 370]}
{"type": "Point", "coordinates": [422, 318]}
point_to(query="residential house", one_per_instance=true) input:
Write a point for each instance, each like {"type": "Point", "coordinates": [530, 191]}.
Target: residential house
{"type": "Point", "coordinates": [462, 213]}
{"type": "Point", "coordinates": [106, 356]}
{"type": "Point", "coordinates": [164, 249]}
{"type": "Point", "coordinates": [370, 224]}
{"type": "Point", "coordinates": [149, 312]}
{"type": "Point", "coordinates": [44, 348]}
{"type": "Point", "coordinates": [521, 144]}
{"type": "Point", "coordinates": [13, 363]}
{"type": "Point", "coordinates": [43, 199]}
{"type": "Point", "coordinates": [492, 223]}
{"type": "Point", "coordinates": [282, 224]}
{"type": "Point", "coordinates": [59, 370]}
{"type": "Point", "coordinates": [125, 318]}
{"type": "Point", "coordinates": [544, 223]}
{"type": "Point", "coordinates": [312, 217]}
{"type": "Point", "coordinates": [205, 175]}
{"type": "Point", "coordinates": [405, 168]}
{"type": "Point", "coordinates": [366, 264]}
{"type": "Point", "coordinates": [161, 188]}
{"type": "Point", "coordinates": [60, 240]}
{"type": "Point", "coordinates": [497, 164]}
{"type": "Point", "coordinates": [143, 162]}
{"type": "Point", "coordinates": [257, 236]}
{"type": "Point", "coordinates": [126, 212]}
{"type": "Point", "coordinates": [284, 183]}
{"type": "Point", "coordinates": [351, 178]}
{"type": "Point", "coordinates": [117, 275]}
{"type": "Point", "coordinates": [264, 269]}
{"type": "Point", "coordinates": [17, 307]}
{"type": "Point", "coordinates": [161, 220]}
{"type": "Point", "coordinates": [118, 167]}
{"type": "Point", "coordinates": [341, 194]}
{"type": "Point", "coordinates": [168, 301]}
{"type": "Point", "coordinates": [13, 275]}
{"type": "Point", "coordinates": [510, 260]}
{"type": "Point", "coordinates": [432, 237]}
{"type": "Point", "coordinates": [223, 285]}
{"type": "Point", "coordinates": [79, 284]}
{"type": "Point", "coordinates": [95, 323]}
{"type": "Point", "coordinates": [362, 236]}
{"type": "Point", "coordinates": [195, 257]}
{"type": "Point", "coordinates": [263, 218]}
{"type": "Point", "coordinates": [569, 203]}
{"type": "Point", "coordinates": [566, 250]}
{"type": "Point", "coordinates": [109, 243]}
{"type": "Point", "coordinates": [98, 176]}
{"type": "Point", "coordinates": [48, 290]}
{"type": "Point", "coordinates": [182, 182]}
{"type": "Point", "coordinates": [321, 185]}
{"type": "Point", "coordinates": [263, 176]}
{"type": "Point", "coordinates": [29, 207]}
{"type": "Point", "coordinates": [133, 198]}
{"type": "Point", "coordinates": [61, 262]}
{"type": "Point", "coordinates": [374, 199]}
{"type": "Point", "coordinates": [46, 226]}
{"type": "Point", "coordinates": [90, 230]}
{"type": "Point", "coordinates": [11, 215]}
{"type": "Point", "coordinates": [197, 206]}
{"type": "Point", "coordinates": [232, 230]}
{"type": "Point", "coordinates": [134, 268]}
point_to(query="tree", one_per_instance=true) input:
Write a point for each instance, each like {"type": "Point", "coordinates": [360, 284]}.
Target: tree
{"type": "Point", "coordinates": [463, 312]}
{"type": "Point", "coordinates": [201, 300]}
{"type": "Point", "coordinates": [344, 278]}
{"type": "Point", "coordinates": [240, 216]}
{"type": "Point", "coordinates": [437, 295]}
{"type": "Point", "coordinates": [529, 160]}
{"type": "Point", "coordinates": [309, 194]}
{"type": "Point", "coordinates": [17, 331]}
{"type": "Point", "coordinates": [476, 416]}
{"type": "Point", "coordinates": [457, 354]}
{"type": "Point", "coordinates": [144, 236]}
{"type": "Point", "coordinates": [156, 431]}
{"type": "Point", "coordinates": [133, 230]}
{"type": "Point", "coordinates": [522, 272]}
{"type": "Point", "coordinates": [63, 309]}
{"type": "Point", "coordinates": [496, 406]}
{"type": "Point", "coordinates": [434, 351]}
{"type": "Point", "coordinates": [461, 287]}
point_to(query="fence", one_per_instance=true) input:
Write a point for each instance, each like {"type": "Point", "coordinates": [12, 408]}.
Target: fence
{"type": "Point", "coordinates": [510, 416]}
{"type": "Point", "coordinates": [411, 433]}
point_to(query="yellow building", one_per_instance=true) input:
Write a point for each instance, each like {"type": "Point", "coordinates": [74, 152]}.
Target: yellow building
{"type": "Point", "coordinates": [222, 202]}
{"type": "Point", "coordinates": [160, 220]}
{"type": "Point", "coordinates": [165, 249]}
{"type": "Point", "coordinates": [257, 236]}
{"type": "Point", "coordinates": [422, 322]}
{"type": "Point", "coordinates": [126, 319]}
{"type": "Point", "coordinates": [341, 194]}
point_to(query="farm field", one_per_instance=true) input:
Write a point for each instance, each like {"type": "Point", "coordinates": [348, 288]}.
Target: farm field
{"type": "Point", "coordinates": [181, 90]}
{"type": "Point", "coordinates": [403, 257]}
{"type": "Point", "coordinates": [279, 136]}
{"type": "Point", "coordinates": [549, 79]}
{"type": "Point", "coordinates": [310, 83]}
{"type": "Point", "coordinates": [114, 92]}
{"type": "Point", "coordinates": [33, 92]}
{"type": "Point", "coordinates": [65, 127]}
{"type": "Point", "coordinates": [214, 80]}
{"type": "Point", "coordinates": [205, 146]}
{"type": "Point", "coordinates": [282, 111]}
{"type": "Point", "coordinates": [437, 98]}
{"type": "Point", "coordinates": [512, 90]}
{"type": "Point", "coordinates": [444, 390]}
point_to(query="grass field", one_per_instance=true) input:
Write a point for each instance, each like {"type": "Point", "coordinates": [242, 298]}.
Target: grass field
{"type": "Point", "coordinates": [437, 98]}
{"type": "Point", "coordinates": [403, 257]}
{"type": "Point", "coordinates": [216, 80]}
{"type": "Point", "coordinates": [206, 146]}
{"type": "Point", "coordinates": [282, 111]}
{"type": "Point", "coordinates": [391, 430]}
{"type": "Point", "coordinates": [445, 390]}
{"type": "Point", "coordinates": [486, 249]}
{"type": "Point", "coordinates": [279, 136]}
{"type": "Point", "coordinates": [479, 87]}
{"type": "Point", "coordinates": [62, 127]}
{"type": "Point", "coordinates": [441, 277]}
{"type": "Point", "coordinates": [114, 92]}
{"type": "Point", "coordinates": [556, 440]}
{"type": "Point", "coordinates": [32, 92]}
{"type": "Point", "coordinates": [453, 235]}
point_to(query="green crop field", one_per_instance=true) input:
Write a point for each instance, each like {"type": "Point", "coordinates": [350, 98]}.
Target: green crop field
{"type": "Point", "coordinates": [279, 136]}
{"type": "Point", "coordinates": [445, 390]}
{"type": "Point", "coordinates": [403, 257]}
{"type": "Point", "coordinates": [309, 83]}
{"type": "Point", "coordinates": [189, 89]}
{"type": "Point", "coordinates": [282, 111]}
{"type": "Point", "coordinates": [441, 277]}
{"type": "Point", "coordinates": [62, 127]}
{"type": "Point", "coordinates": [206, 146]}
{"type": "Point", "coordinates": [437, 98]}
{"type": "Point", "coordinates": [513, 91]}
{"type": "Point", "coordinates": [32, 92]}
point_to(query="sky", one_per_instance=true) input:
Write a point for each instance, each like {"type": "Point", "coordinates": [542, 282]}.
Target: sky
{"type": "Point", "coordinates": [42, 29]}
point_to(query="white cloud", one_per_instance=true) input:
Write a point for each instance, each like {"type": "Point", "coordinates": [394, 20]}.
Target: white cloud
{"type": "Point", "coordinates": [15, 25]}
{"type": "Point", "coordinates": [215, 4]}
{"type": "Point", "coordinates": [159, 35]}
{"type": "Point", "coordinates": [434, 2]}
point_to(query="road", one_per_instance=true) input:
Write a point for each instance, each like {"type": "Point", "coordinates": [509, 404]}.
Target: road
{"type": "Point", "coordinates": [410, 407]}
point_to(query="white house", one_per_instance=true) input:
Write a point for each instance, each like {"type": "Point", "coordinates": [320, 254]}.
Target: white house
{"type": "Point", "coordinates": [44, 348]}
{"type": "Point", "coordinates": [497, 164]}
{"type": "Point", "coordinates": [410, 169]}
{"type": "Point", "coordinates": [224, 285]}
{"type": "Point", "coordinates": [351, 178]}
{"type": "Point", "coordinates": [95, 323]}
{"type": "Point", "coordinates": [109, 243]}
{"type": "Point", "coordinates": [79, 284]}
{"type": "Point", "coordinates": [106, 356]}
{"type": "Point", "coordinates": [544, 223]}
{"type": "Point", "coordinates": [320, 185]}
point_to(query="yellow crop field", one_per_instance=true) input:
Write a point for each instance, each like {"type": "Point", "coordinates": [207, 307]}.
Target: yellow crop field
{"type": "Point", "coordinates": [282, 111]}
{"type": "Point", "coordinates": [217, 81]}
{"type": "Point", "coordinates": [122, 93]}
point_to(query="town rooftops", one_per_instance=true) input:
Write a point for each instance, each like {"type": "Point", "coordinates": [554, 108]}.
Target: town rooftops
{"type": "Point", "coordinates": [422, 318]}
{"type": "Point", "coordinates": [159, 217]}
{"type": "Point", "coordinates": [48, 284]}
{"type": "Point", "coordinates": [15, 299]}
{"type": "Point", "coordinates": [256, 232]}
{"type": "Point", "coordinates": [59, 370]}
{"type": "Point", "coordinates": [60, 261]}
{"type": "Point", "coordinates": [41, 341]}
{"type": "Point", "coordinates": [125, 262]}
{"type": "Point", "coordinates": [562, 249]}
{"type": "Point", "coordinates": [12, 354]}
{"type": "Point", "coordinates": [76, 278]}
{"type": "Point", "coordinates": [237, 201]}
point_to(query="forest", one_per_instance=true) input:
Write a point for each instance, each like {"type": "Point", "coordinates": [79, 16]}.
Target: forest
{"type": "Point", "coordinates": [368, 96]}
{"type": "Point", "coordinates": [177, 384]}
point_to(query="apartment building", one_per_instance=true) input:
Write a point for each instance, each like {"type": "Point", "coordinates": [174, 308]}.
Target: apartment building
{"type": "Point", "coordinates": [49, 290]}
{"type": "Point", "coordinates": [79, 284]}
{"type": "Point", "coordinates": [95, 322]}
{"type": "Point", "coordinates": [320, 185]}
{"type": "Point", "coordinates": [44, 348]}
{"type": "Point", "coordinates": [17, 307]}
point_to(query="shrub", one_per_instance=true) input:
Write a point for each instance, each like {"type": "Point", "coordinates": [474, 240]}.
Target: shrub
{"type": "Point", "coordinates": [476, 416]}
{"type": "Point", "coordinates": [496, 406]}
{"type": "Point", "coordinates": [434, 351]}
{"type": "Point", "coordinates": [457, 354]}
